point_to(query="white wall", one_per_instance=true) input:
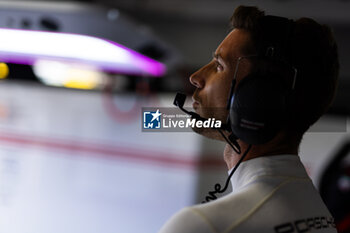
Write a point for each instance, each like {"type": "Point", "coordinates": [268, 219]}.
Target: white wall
{"type": "Point", "coordinates": [66, 165]}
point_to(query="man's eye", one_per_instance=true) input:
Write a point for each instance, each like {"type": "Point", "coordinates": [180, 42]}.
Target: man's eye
{"type": "Point", "coordinates": [219, 67]}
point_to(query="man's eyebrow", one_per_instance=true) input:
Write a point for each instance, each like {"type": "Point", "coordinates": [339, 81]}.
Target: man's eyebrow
{"type": "Point", "coordinates": [218, 57]}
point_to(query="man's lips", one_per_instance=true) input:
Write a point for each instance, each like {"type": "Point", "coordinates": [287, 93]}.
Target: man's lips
{"type": "Point", "coordinates": [195, 105]}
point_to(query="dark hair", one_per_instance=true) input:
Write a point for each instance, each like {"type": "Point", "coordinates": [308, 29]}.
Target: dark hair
{"type": "Point", "coordinates": [313, 52]}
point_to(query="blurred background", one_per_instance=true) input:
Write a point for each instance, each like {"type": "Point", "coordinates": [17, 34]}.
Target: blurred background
{"type": "Point", "coordinates": [73, 157]}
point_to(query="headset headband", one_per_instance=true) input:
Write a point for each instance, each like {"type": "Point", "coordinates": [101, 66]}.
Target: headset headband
{"type": "Point", "coordinates": [273, 37]}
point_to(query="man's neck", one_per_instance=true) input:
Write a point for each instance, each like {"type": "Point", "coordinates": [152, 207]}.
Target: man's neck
{"type": "Point", "coordinates": [231, 157]}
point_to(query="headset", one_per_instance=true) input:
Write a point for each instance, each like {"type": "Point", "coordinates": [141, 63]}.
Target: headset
{"type": "Point", "coordinates": [260, 104]}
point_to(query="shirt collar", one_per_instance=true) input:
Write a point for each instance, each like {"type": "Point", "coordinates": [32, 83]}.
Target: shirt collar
{"type": "Point", "coordinates": [276, 165]}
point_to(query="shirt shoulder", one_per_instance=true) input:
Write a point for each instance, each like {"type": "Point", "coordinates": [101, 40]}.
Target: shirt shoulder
{"type": "Point", "coordinates": [260, 207]}
{"type": "Point", "coordinates": [212, 217]}
{"type": "Point", "coordinates": [188, 220]}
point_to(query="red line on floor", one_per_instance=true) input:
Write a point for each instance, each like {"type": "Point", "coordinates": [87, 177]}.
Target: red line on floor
{"type": "Point", "coordinates": [125, 153]}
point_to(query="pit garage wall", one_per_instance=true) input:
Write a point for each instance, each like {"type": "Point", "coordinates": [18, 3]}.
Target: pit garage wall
{"type": "Point", "coordinates": [70, 162]}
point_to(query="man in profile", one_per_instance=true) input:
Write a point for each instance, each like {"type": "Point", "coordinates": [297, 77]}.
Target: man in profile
{"type": "Point", "coordinates": [271, 189]}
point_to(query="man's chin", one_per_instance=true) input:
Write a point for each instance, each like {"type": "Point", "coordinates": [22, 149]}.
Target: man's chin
{"type": "Point", "coordinates": [215, 114]}
{"type": "Point", "coordinates": [209, 133]}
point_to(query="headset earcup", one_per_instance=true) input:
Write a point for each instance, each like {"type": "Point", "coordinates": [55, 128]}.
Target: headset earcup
{"type": "Point", "coordinates": [258, 108]}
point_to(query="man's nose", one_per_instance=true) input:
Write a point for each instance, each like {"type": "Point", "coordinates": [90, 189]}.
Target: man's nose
{"type": "Point", "coordinates": [197, 79]}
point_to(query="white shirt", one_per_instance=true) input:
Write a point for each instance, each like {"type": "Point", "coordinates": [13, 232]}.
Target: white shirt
{"type": "Point", "coordinates": [270, 195]}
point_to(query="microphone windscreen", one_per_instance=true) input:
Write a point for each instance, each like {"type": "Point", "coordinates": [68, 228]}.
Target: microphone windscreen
{"type": "Point", "coordinates": [179, 100]}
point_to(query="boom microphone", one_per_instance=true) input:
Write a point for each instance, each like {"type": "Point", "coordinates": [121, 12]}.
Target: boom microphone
{"type": "Point", "coordinates": [179, 101]}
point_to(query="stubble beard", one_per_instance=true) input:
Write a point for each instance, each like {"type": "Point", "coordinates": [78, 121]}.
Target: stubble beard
{"type": "Point", "coordinates": [212, 133]}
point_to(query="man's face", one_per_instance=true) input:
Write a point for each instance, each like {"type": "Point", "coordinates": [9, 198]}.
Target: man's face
{"type": "Point", "coordinates": [213, 81]}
